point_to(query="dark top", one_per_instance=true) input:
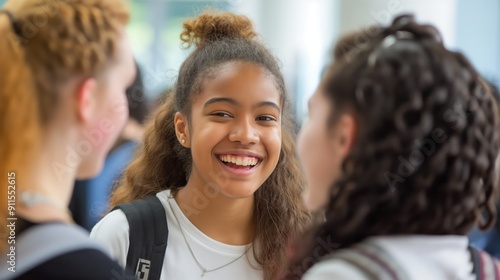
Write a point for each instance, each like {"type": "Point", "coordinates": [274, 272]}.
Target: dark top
{"type": "Point", "coordinates": [79, 264]}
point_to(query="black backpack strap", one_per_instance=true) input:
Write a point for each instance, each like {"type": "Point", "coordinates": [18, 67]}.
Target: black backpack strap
{"type": "Point", "coordinates": [485, 267]}
{"type": "Point", "coordinates": [148, 236]}
{"type": "Point", "coordinates": [372, 260]}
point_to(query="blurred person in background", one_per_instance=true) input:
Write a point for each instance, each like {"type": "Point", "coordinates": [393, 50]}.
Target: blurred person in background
{"type": "Point", "coordinates": [400, 155]}
{"type": "Point", "coordinates": [489, 240]}
{"type": "Point", "coordinates": [65, 66]}
{"type": "Point", "coordinates": [90, 197]}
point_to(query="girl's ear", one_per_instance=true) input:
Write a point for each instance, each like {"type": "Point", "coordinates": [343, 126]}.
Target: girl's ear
{"type": "Point", "coordinates": [182, 129]}
{"type": "Point", "coordinates": [345, 134]}
{"type": "Point", "coordinates": [84, 100]}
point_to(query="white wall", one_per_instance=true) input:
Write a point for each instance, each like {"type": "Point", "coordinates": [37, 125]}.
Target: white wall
{"type": "Point", "coordinates": [356, 14]}
{"type": "Point", "coordinates": [478, 35]}
{"type": "Point", "coordinates": [300, 33]}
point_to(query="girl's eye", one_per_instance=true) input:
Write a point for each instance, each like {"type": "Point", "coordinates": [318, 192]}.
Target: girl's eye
{"type": "Point", "coordinates": [266, 118]}
{"type": "Point", "coordinates": [221, 114]}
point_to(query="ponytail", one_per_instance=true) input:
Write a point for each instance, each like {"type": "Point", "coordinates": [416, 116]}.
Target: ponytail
{"type": "Point", "coordinates": [19, 124]}
{"type": "Point", "coordinates": [76, 38]}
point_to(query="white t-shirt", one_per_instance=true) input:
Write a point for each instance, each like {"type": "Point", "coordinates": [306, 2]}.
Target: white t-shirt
{"type": "Point", "coordinates": [113, 232]}
{"type": "Point", "coordinates": [420, 257]}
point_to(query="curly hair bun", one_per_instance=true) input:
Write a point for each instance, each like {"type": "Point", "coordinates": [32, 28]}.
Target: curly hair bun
{"type": "Point", "coordinates": [209, 27]}
{"type": "Point", "coordinates": [407, 22]}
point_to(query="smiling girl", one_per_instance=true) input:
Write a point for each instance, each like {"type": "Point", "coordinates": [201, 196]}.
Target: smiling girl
{"type": "Point", "coordinates": [219, 155]}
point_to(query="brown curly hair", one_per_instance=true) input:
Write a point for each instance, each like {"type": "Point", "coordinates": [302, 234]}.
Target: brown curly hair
{"type": "Point", "coordinates": [162, 163]}
{"type": "Point", "coordinates": [44, 44]}
{"type": "Point", "coordinates": [424, 158]}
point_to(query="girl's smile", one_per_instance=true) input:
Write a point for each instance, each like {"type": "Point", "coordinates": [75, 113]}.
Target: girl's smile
{"type": "Point", "coordinates": [234, 130]}
{"type": "Point", "coordinates": [240, 163]}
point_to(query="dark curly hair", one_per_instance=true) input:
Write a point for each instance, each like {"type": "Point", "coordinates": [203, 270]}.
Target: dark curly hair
{"type": "Point", "coordinates": [423, 161]}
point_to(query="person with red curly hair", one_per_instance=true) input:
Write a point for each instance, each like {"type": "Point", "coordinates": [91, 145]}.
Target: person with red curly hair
{"type": "Point", "coordinates": [65, 66]}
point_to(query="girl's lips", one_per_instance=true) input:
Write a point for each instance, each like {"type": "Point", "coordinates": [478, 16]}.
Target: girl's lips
{"type": "Point", "coordinates": [239, 170]}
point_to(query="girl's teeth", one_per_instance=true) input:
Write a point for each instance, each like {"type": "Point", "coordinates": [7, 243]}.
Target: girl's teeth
{"type": "Point", "coordinates": [242, 161]}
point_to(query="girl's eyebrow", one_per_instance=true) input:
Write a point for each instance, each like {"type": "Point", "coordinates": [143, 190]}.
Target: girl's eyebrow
{"type": "Point", "coordinates": [267, 103]}
{"type": "Point", "coordinates": [221, 99]}
{"type": "Point", "coordinates": [236, 103]}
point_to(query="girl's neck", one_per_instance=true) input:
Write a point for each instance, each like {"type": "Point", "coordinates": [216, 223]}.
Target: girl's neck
{"type": "Point", "coordinates": [224, 219]}
{"type": "Point", "coordinates": [48, 181]}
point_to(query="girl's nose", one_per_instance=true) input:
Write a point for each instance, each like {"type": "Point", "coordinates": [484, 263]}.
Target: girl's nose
{"type": "Point", "coordinates": [245, 133]}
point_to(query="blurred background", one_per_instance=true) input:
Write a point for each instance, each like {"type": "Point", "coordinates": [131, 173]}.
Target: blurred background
{"type": "Point", "coordinates": [302, 32]}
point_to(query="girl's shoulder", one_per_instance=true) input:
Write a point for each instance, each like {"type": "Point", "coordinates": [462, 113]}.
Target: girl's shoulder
{"type": "Point", "coordinates": [116, 223]}
{"type": "Point", "coordinates": [398, 256]}
{"type": "Point", "coordinates": [112, 232]}
{"type": "Point", "coordinates": [361, 261]}
{"type": "Point", "coordinates": [334, 269]}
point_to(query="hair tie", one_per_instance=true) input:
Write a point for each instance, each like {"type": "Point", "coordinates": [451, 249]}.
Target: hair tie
{"type": "Point", "coordinates": [13, 21]}
{"type": "Point", "coordinates": [388, 41]}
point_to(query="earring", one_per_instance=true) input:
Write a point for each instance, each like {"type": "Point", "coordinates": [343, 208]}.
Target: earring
{"type": "Point", "coordinates": [183, 141]}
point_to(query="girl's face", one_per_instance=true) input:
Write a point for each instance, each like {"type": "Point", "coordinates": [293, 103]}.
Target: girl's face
{"type": "Point", "coordinates": [321, 149]}
{"type": "Point", "coordinates": [235, 130]}
{"type": "Point", "coordinates": [109, 111]}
